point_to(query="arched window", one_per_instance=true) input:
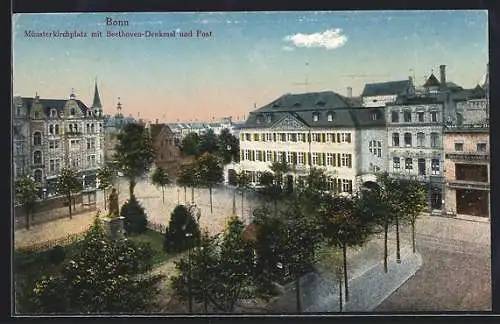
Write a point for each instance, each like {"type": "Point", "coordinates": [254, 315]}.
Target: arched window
{"type": "Point", "coordinates": [38, 176]}
{"type": "Point", "coordinates": [56, 129]}
{"type": "Point", "coordinates": [51, 129]}
{"type": "Point", "coordinates": [72, 111]}
{"type": "Point", "coordinates": [37, 157]}
{"type": "Point", "coordinates": [53, 113]}
{"type": "Point", "coordinates": [37, 138]}
{"type": "Point", "coordinates": [92, 128]}
{"type": "Point", "coordinates": [88, 128]}
{"type": "Point", "coordinates": [71, 128]}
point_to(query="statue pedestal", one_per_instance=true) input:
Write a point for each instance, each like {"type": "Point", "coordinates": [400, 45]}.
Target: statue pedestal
{"type": "Point", "coordinates": [114, 227]}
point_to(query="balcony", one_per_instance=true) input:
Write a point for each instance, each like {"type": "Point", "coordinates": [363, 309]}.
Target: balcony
{"type": "Point", "coordinates": [468, 157]}
{"type": "Point", "coordinates": [462, 184]}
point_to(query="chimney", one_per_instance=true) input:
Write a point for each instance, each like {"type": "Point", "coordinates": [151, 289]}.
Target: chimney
{"type": "Point", "coordinates": [410, 79]}
{"type": "Point", "coordinates": [442, 70]}
{"type": "Point", "coordinates": [156, 121]}
{"type": "Point", "coordinates": [349, 92]}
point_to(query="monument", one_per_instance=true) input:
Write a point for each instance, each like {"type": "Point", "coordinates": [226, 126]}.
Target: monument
{"type": "Point", "coordinates": [114, 222]}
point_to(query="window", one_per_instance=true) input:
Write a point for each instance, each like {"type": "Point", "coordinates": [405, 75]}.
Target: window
{"type": "Point", "coordinates": [434, 116]}
{"type": "Point", "coordinates": [88, 128]}
{"type": "Point", "coordinates": [258, 155]}
{"type": "Point", "coordinates": [346, 185]}
{"type": "Point", "coordinates": [421, 166]}
{"type": "Point", "coordinates": [51, 129]}
{"type": "Point", "coordinates": [407, 116]}
{"type": "Point", "coordinates": [18, 111]}
{"type": "Point", "coordinates": [256, 137]}
{"type": "Point", "coordinates": [38, 176]}
{"type": "Point", "coordinates": [269, 155]}
{"type": "Point", "coordinates": [316, 137]}
{"type": "Point", "coordinates": [72, 111]}
{"type": "Point", "coordinates": [36, 114]}
{"type": "Point", "coordinates": [435, 140]}
{"type": "Point", "coordinates": [269, 118]}
{"type": "Point", "coordinates": [263, 137]}
{"type": "Point", "coordinates": [248, 137]}
{"type": "Point", "coordinates": [37, 138]}
{"type": "Point", "coordinates": [396, 163]}
{"type": "Point", "coordinates": [289, 157]}
{"type": "Point", "coordinates": [379, 149]}
{"type": "Point", "coordinates": [420, 139]}
{"type": "Point", "coordinates": [346, 160]}
{"type": "Point", "coordinates": [52, 165]}
{"type": "Point", "coordinates": [408, 164]}
{"type": "Point", "coordinates": [314, 158]}
{"type": "Point", "coordinates": [301, 158]}
{"type": "Point", "coordinates": [435, 166]}
{"type": "Point", "coordinates": [407, 139]}
{"type": "Point", "coordinates": [346, 138]}
{"type": "Point", "coordinates": [37, 157]}
{"type": "Point", "coordinates": [315, 117]}
{"type": "Point", "coordinates": [395, 139]}
{"type": "Point", "coordinates": [395, 117]}
{"type": "Point", "coordinates": [420, 116]}
{"type": "Point", "coordinates": [53, 113]}
{"type": "Point", "coordinates": [329, 158]}
{"type": "Point", "coordinates": [53, 144]}
{"type": "Point", "coordinates": [481, 147]}
{"type": "Point", "coordinates": [370, 146]}
{"type": "Point", "coordinates": [330, 116]}
{"type": "Point", "coordinates": [459, 147]}
{"type": "Point", "coordinates": [375, 115]}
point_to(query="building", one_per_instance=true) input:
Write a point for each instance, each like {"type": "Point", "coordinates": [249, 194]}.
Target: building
{"type": "Point", "coordinates": [168, 155]}
{"type": "Point", "coordinates": [415, 140]}
{"type": "Point", "coordinates": [320, 130]}
{"type": "Point", "coordinates": [112, 126]}
{"type": "Point", "coordinates": [381, 93]}
{"type": "Point", "coordinates": [62, 133]}
{"type": "Point", "coordinates": [467, 170]}
{"type": "Point", "coordinates": [21, 144]}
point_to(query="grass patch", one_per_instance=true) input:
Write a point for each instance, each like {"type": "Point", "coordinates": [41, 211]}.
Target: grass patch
{"type": "Point", "coordinates": [155, 240]}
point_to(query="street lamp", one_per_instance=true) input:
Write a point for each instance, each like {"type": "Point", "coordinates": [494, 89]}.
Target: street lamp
{"type": "Point", "coordinates": [190, 297]}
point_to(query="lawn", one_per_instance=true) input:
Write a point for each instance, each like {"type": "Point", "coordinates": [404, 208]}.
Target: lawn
{"type": "Point", "coordinates": [155, 240]}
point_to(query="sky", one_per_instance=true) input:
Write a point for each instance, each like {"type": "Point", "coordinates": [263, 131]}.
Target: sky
{"type": "Point", "coordinates": [241, 60]}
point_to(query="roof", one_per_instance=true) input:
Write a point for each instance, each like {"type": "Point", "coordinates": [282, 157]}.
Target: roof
{"type": "Point", "coordinates": [479, 128]}
{"type": "Point", "coordinates": [58, 104]}
{"type": "Point", "coordinates": [156, 129]}
{"type": "Point", "coordinates": [386, 88]}
{"type": "Point", "coordinates": [306, 101]}
{"type": "Point", "coordinates": [97, 100]}
{"type": "Point", "coordinates": [415, 100]}
{"type": "Point", "coordinates": [432, 81]}
{"type": "Point", "coordinates": [467, 94]}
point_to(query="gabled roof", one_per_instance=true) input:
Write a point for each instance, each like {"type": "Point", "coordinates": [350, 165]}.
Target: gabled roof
{"type": "Point", "coordinates": [386, 88]}
{"type": "Point", "coordinates": [432, 81]}
{"type": "Point", "coordinates": [306, 102]}
{"type": "Point", "coordinates": [58, 104]}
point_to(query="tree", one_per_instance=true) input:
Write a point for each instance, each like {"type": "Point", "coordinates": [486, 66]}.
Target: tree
{"type": "Point", "coordinates": [229, 147]}
{"type": "Point", "coordinates": [210, 173]}
{"type": "Point", "coordinates": [160, 178]}
{"type": "Point", "coordinates": [190, 144]}
{"type": "Point", "coordinates": [136, 221]}
{"type": "Point", "coordinates": [68, 184]}
{"type": "Point", "coordinates": [134, 153]}
{"type": "Point", "coordinates": [188, 176]}
{"type": "Point", "coordinates": [26, 195]}
{"type": "Point", "coordinates": [209, 143]}
{"type": "Point", "coordinates": [243, 184]}
{"type": "Point", "coordinates": [414, 203]}
{"type": "Point", "coordinates": [182, 221]}
{"type": "Point", "coordinates": [105, 178]}
{"type": "Point", "coordinates": [104, 276]}
{"type": "Point", "coordinates": [344, 226]}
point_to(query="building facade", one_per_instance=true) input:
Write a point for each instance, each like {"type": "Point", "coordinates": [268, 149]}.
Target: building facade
{"type": "Point", "coordinates": [112, 126]}
{"type": "Point", "coordinates": [62, 133]}
{"type": "Point", "coordinates": [467, 170]}
{"type": "Point", "coordinates": [314, 130]}
{"type": "Point", "coordinates": [415, 141]}
{"type": "Point", "coordinates": [382, 93]}
{"type": "Point", "coordinates": [168, 155]}
{"type": "Point", "coordinates": [21, 143]}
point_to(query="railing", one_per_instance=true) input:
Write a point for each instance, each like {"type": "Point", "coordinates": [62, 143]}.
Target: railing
{"type": "Point", "coordinates": [468, 156]}
{"type": "Point", "coordinates": [461, 184]}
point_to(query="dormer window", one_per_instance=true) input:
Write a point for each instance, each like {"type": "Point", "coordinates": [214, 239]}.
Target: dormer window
{"type": "Point", "coordinates": [320, 103]}
{"type": "Point", "coordinates": [330, 116]}
{"type": "Point", "coordinates": [375, 115]}
{"type": "Point", "coordinates": [297, 104]}
{"type": "Point", "coordinates": [315, 117]}
{"type": "Point", "coordinates": [72, 111]}
{"type": "Point", "coordinates": [36, 114]}
{"type": "Point", "coordinates": [53, 113]}
{"type": "Point", "coordinates": [269, 118]}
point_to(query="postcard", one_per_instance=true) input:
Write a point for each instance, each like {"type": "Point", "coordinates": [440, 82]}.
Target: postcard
{"type": "Point", "coordinates": [251, 162]}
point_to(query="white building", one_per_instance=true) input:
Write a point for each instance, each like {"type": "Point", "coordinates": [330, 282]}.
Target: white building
{"type": "Point", "coordinates": [382, 93]}
{"type": "Point", "coordinates": [320, 130]}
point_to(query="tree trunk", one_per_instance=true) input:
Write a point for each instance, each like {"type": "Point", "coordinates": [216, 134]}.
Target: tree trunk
{"type": "Point", "coordinates": [386, 229]}
{"type": "Point", "coordinates": [104, 192]}
{"type": "Point", "coordinates": [28, 214]}
{"type": "Point", "coordinates": [340, 293]}
{"type": "Point", "coordinates": [276, 207]}
{"type": "Point", "coordinates": [131, 188]}
{"type": "Point", "coordinates": [69, 205]}
{"type": "Point", "coordinates": [242, 198]}
{"type": "Point", "coordinates": [185, 195]}
{"type": "Point", "coordinates": [398, 247]}
{"type": "Point", "coordinates": [234, 202]}
{"type": "Point", "coordinates": [192, 195]}
{"type": "Point", "coordinates": [413, 236]}
{"type": "Point", "coordinates": [346, 281]}
{"type": "Point", "coordinates": [163, 192]}
{"type": "Point", "coordinates": [211, 205]}
{"type": "Point", "coordinates": [297, 293]}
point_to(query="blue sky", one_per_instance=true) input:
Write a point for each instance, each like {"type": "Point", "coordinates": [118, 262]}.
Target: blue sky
{"type": "Point", "coordinates": [251, 58]}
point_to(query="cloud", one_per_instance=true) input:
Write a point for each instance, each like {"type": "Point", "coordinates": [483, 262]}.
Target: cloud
{"type": "Point", "coordinates": [329, 39]}
{"type": "Point", "coordinates": [288, 48]}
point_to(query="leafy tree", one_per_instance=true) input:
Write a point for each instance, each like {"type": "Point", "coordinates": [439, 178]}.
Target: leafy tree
{"type": "Point", "coordinates": [344, 225]}
{"type": "Point", "coordinates": [69, 184]}
{"type": "Point", "coordinates": [105, 178]}
{"type": "Point", "coordinates": [103, 277]}
{"type": "Point", "coordinates": [160, 178]}
{"type": "Point", "coordinates": [209, 143]}
{"type": "Point", "coordinates": [136, 221]}
{"type": "Point", "coordinates": [182, 222]}
{"type": "Point", "coordinates": [134, 153]}
{"type": "Point", "coordinates": [229, 147]}
{"type": "Point", "coordinates": [191, 144]}
{"type": "Point", "coordinates": [210, 173]}
{"type": "Point", "coordinates": [26, 195]}
{"type": "Point", "coordinates": [188, 176]}
{"type": "Point", "coordinates": [414, 203]}
{"type": "Point", "coordinates": [243, 184]}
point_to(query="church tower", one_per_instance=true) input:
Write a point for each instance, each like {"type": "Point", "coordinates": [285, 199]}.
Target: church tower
{"type": "Point", "coordinates": [96, 104]}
